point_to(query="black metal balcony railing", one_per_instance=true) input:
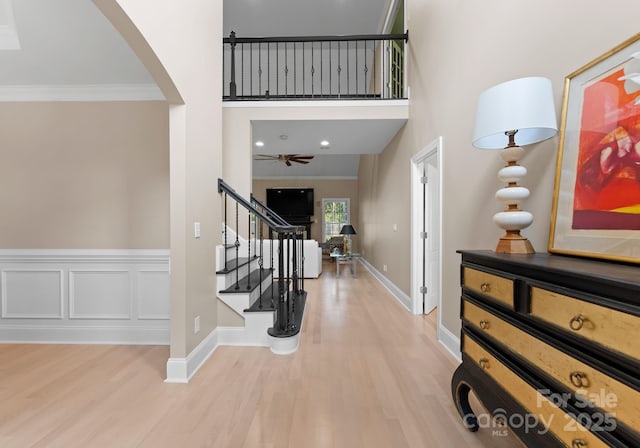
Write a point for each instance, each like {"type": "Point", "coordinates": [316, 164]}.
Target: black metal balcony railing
{"type": "Point", "coordinates": [315, 67]}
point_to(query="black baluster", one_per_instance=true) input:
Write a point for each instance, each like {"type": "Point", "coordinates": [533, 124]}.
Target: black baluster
{"type": "Point", "coordinates": [271, 264]}
{"type": "Point", "coordinates": [232, 83]}
{"type": "Point", "coordinates": [286, 69]}
{"type": "Point", "coordinates": [339, 70]}
{"type": "Point", "coordinates": [249, 251]}
{"type": "Point", "coordinates": [259, 68]}
{"type": "Point", "coordinates": [237, 245]}
{"type": "Point", "coordinates": [302, 261]}
{"type": "Point", "coordinates": [225, 231]}
{"type": "Point", "coordinates": [261, 262]}
{"type": "Point", "coordinates": [295, 71]}
{"type": "Point", "coordinates": [321, 69]}
{"type": "Point", "coordinates": [357, 86]}
{"type": "Point", "coordinates": [241, 69]}
{"type": "Point", "coordinates": [330, 68]}
{"type": "Point", "coordinates": [313, 71]}
{"type": "Point", "coordinates": [366, 69]}
{"type": "Point", "coordinates": [281, 305]}
{"type": "Point", "coordinates": [289, 280]}
{"type": "Point", "coordinates": [348, 63]}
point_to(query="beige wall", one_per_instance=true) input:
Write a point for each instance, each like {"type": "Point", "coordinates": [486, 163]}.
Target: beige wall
{"type": "Point", "coordinates": [84, 175]}
{"type": "Point", "coordinates": [179, 43]}
{"type": "Point", "coordinates": [322, 188]}
{"type": "Point", "coordinates": [457, 50]}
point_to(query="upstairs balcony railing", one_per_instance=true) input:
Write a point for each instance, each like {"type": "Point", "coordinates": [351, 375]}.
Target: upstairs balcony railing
{"type": "Point", "coordinates": [314, 67]}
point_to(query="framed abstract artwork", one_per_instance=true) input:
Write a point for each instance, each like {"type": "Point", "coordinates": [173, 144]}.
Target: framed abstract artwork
{"type": "Point", "coordinates": [596, 204]}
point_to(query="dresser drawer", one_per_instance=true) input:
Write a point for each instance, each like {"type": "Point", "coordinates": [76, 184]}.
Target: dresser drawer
{"type": "Point", "coordinates": [494, 286]}
{"type": "Point", "coordinates": [602, 390]}
{"type": "Point", "coordinates": [612, 329]}
{"type": "Point", "coordinates": [565, 428]}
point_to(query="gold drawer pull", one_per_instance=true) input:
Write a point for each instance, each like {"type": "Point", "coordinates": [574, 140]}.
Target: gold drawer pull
{"type": "Point", "coordinates": [577, 322]}
{"type": "Point", "coordinates": [485, 287]}
{"type": "Point", "coordinates": [484, 324]}
{"type": "Point", "coordinates": [484, 363]}
{"type": "Point", "coordinates": [579, 379]}
{"type": "Point", "coordinates": [578, 443]}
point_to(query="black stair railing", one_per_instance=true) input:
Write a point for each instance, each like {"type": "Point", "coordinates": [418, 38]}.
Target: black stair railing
{"type": "Point", "coordinates": [298, 247]}
{"type": "Point", "coordinates": [314, 67]}
{"type": "Point", "coordinates": [289, 285]}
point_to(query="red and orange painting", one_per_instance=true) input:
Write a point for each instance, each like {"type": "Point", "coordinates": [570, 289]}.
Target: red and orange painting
{"type": "Point", "coordinates": [607, 188]}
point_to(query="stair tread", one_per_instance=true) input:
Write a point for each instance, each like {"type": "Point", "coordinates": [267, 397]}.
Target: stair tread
{"type": "Point", "coordinates": [234, 264]}
{"type": "Point", "coordinates": [253, 280]}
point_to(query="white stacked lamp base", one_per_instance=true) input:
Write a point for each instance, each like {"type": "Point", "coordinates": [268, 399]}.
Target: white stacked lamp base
{"type": "Point", "coordinates": [512, 220]}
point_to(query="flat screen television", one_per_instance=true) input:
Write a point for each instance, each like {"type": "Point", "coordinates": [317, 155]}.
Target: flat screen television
{"type": "Point", "coordinates": [290, 201]}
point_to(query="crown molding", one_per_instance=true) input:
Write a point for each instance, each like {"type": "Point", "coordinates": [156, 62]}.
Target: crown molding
{"type": "Point", "coordinates": [81, 92]}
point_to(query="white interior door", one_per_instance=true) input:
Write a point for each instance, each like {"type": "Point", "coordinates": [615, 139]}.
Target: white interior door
{"type": "Point", "coordinates": [425, 241]}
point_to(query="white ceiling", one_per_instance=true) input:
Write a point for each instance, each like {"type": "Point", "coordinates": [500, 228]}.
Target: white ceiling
{"type": "Point", "coordinates": [347, 140]}
{"type": "Point", "coordinates": [260, 18]}
{"type": "Point", "coordinates": [66, 43]}
{"type": "Point", "coordinates": [66, 49]}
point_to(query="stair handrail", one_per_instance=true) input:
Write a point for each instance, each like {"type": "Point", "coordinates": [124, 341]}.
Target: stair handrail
{"type": "Point", "coordinates": [269, 211]}
{"type": "Point", "coordinates": [338, 38]}
{"type": "Point", "coordinates": [280, 228]}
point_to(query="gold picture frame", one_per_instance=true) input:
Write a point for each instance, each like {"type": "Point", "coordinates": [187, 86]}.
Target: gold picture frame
{"type": "Point", "coordinates": [596, 199]}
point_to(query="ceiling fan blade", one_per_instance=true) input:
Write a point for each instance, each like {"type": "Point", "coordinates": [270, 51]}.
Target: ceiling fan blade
{"type": "Point", "coordinates": [301, 161]}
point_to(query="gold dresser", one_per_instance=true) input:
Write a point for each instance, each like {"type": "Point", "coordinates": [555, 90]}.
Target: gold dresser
{"type": "Point", "coordinates": [551, 347]}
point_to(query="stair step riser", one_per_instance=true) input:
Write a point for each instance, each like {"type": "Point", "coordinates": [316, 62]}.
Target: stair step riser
{"type": "Point", "coordinates": [243, 251]}
{"type": "Point", "coordinates": [241, 301]}
{"type": "Point", "coordinates": [255, 294]}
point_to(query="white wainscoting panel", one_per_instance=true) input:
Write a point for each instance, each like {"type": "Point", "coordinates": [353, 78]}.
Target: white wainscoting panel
{"type": "Point", "coordinates": [153, 294]}
{"type": "Point", "coordinates": [85, 296]}
{"type": "Point", "coordinates": [32, 294]}
{"type": "Point", "coordinates": [99, 295]}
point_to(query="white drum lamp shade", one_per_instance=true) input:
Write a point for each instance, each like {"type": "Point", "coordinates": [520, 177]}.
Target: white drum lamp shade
{"type": "Point", "coordinates": [517, 112]}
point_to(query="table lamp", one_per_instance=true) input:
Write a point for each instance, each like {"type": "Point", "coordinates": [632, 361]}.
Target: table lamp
{"type": "Point", "coordinates": [521, 110]}
{"type": "Point", "coordinates": [347, 231]}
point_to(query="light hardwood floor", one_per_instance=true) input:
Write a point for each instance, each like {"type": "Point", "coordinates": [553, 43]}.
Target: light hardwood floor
{"type": "Point", "coordinates": [367, 374]}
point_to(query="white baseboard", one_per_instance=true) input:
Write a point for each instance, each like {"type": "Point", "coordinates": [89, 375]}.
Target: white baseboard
{"type": "Point", "coordinates": [450, 341]}
{"type": "Point", "coordinates": [181, 370]}
{"type": "Point", "coordinates": [399, 295]}
{"type": "Point", "coordinates": [116, 335]}
{"type": "Point", "coordinates": [243, 336]}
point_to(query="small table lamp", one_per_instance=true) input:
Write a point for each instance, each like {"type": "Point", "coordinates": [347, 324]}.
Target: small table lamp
{"type": "Point", "coordinates": [347, 231]}
{"type": "Point", "coordinates": [522, 110]}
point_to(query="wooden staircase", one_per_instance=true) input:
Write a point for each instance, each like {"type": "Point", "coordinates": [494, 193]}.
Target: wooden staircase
{"type": "Point", "coordinates": [272, 309]}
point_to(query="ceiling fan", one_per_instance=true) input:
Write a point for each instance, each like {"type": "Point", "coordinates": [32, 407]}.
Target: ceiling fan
{"type": "Point", "coordinates": [286, 158]}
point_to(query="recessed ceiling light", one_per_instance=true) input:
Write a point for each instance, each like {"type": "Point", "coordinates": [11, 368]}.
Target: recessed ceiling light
{"type": "Point", "coordinates": [284, 136]}
{"type": "Point", "coordinates": [260, 143]}
{"type": "Point", "coordinates": [324, 143]}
